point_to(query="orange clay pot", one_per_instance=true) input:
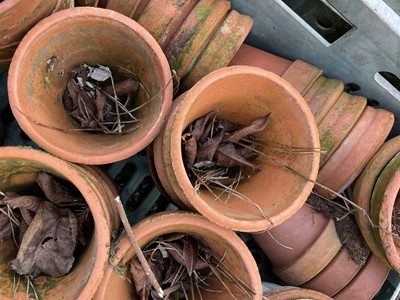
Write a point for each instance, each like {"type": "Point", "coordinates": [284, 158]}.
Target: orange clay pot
{"type": "Point", "coordinates": [350, 158]}
{"type": "Point", "coordinates": [194, 34]}
{"type": "Point", "coordinates": [163, 18]}
{"type": "Point", "coordinates": [223, 243]}
{"type": "Point", "coordinates": [17, 17]}
{"type": "Point", "coordinates": [300, 247]}
{"type": "Point", "coordinates": [38, 100]}
{"type": "Point", "coordinates": [367, 283]}
{"type": "Point", "coordinates": [383, 201]}
{"type": "Point", "coordinates": [292, 293]}
{"type": "Point", "coordinates": [18, 168]}
{"type": "Point", "coordinates": [241, 94]}
{"type": "Point", "coordinates": [363, 191]}
{"type": "Point", "coordinates": [338, 122]}
{"type": "Point", "coordinates": [321, 96]}
{"type": "Point", "coordinates": [335, 276]}
{"type": "Point", "coordinates": [221, 48]}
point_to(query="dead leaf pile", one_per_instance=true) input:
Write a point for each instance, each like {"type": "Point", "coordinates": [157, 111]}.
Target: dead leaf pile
{"type": "Point", "coordinates": [221, 152]}
{"type": "Point", "coordinates": [96, 102]}
{"type": "Point", "coordinates": [47, 227]}
{"type": "Point", "coordinates": [179, 262]}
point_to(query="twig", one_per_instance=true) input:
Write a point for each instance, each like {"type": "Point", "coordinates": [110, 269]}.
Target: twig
{"type": "Point", "coordinates": [137, 249]}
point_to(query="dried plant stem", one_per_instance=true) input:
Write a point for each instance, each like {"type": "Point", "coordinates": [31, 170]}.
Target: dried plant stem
{"type": "Point", "coordinates": [137, 248]}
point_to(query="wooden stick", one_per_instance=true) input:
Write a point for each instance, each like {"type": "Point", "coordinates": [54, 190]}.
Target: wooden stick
{"type": "Point", "coordinates": [137, 249]}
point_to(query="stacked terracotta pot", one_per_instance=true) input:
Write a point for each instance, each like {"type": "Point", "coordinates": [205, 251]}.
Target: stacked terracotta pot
{"type": "Point", "coordinates": [197, 36]}
{"type": "Point", "coordinates": [17, 17]}
{"type": "Point", "coordinates": [306, 251]}
{"type": "Point", "coordinates": [350, 131]}
{"type": "Point", "coordinates": [376, 191]}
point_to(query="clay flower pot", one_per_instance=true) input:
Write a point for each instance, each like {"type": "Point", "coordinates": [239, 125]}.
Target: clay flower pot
{"type": "Point", "coordinates": [335, 276]}
{"type": "Point", "coordinates": [338, 122]}
{"type": "Point", "coordinates": [221, 48]}
{"type": "Point", "coordinates": [17, 17]}
{"type": "Point", "coordinates": [384, 200]}
{"type": "Point", "coordinates": [19, 167]}
{"type": "Point", "coordinates": [353, 154]}
{"type": "Point", "coordinates": [367, 283]}
{"type": "Point", "coordinates": [94, 36]}
{"type": "Point", "coordinates": [223, 243]}
{"type": "Point", "coordinates": [241, 94]}
{"type": "Point", "coordinates": [163, 18]}
{"type": "Point", "coordinates": [276, 292]}
{"type": "Point", "coordinates": [127, 7]}
{"type": "Point", "coordinates": [194, 33]}
{"type": "Point", "coordinates": [363, 191]}
{"type": "Point", "coordinates": [301, 247]}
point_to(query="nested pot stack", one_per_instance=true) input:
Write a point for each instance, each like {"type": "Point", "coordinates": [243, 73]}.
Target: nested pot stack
{"type": "Point", "coordinates": [19, 170]}
{"type": "Point", "coordinates": [240, 95]}
{"type": "Point", "coordinates": [350, 131]}
{"type": "Point", "coordinates": [306, 251]}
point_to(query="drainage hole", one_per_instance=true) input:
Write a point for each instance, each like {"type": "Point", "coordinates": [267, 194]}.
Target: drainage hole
{"type": "Point", "coordinates": [123, 177]}
{"type": "Point", "coordinates": [159, 206]}
{"type": "Point", "coordinates": [324, 23]}
{"type": "Point", "coordinates": [373, 102]}
{"type": "Point", "coordinates": [351, 87]}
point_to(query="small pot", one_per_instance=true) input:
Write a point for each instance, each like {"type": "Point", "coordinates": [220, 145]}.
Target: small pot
{"type": "Point", "coordinates": [290, 293]}
{"type": "Point", "coordinates": [360, 145]}
{"type": "Point", "coordinates": [108, 38]}
{"type": "Point", "coordinates": [163, 18]}
{"type": "Point", "coordinates": [336, 275]}
{"type": "Point", "coordinates": [367, 283]}
{"type": "Point", "coordinates": [241, 94]}
{"type": "Point", "coordinates": [383, 201]}
{"type": "Point", "coordinates": [338, 122]}
{"type": "Point", "coordinates": [321, 96]}
{"type": "Point", "coordinates": [363, 191]}
{"type": "Point", "coordinates": [19, 167]}
{"type": "Point", "coordinates": [300, 247]}
{"type": "Point", "coordinates": [221, 48]}
{"type": "Point", "coordinates": [223, 243]}
{"type": "Point", "coordinates": [194, 34]}
{"type": "Point", "coordinates": [17, 17]}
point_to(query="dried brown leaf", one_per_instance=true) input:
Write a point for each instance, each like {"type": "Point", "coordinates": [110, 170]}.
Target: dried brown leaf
{"type": "Point", "coordinates": [199, 125]}
{"type": "Point", "coordinates": [48, 244]}
{"type": "Point", "coordinates": [23, 227]}
{"type": "Point", "coordinates": [257, 125]}
{"type": "Point", "coordinates": [101, 101]}
{"type": "Point", "coordinates": [6, 232]}
{"type": "Point", "coordinates": [17, 201]}
{"type": "Point", "coordinates": [55, 191]}
{"type": "Point", "coordinates": [190, 254]}
{"type": "Point", "coordinates": [27, 215]}
{"type": "Point", "coordinates": [190, 148]}
{"type": "Point", "coordinates": [227, 156]}
{"type": "Point", "coordinates": [207, 150]}
{"type": "Point", "coordinates": [140, 279]}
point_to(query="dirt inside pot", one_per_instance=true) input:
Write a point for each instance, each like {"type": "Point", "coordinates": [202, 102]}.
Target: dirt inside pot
{"type": "Point", "coordinates": [101, 100]}
{"type": "Point", "coordinates": [346, 227]}
{"type": "Point", "coordinates": [219, 154]}
{"type": "Point", "coordinates": [49, 224]}
{"type": "Point", "coordinates": [184, 265]}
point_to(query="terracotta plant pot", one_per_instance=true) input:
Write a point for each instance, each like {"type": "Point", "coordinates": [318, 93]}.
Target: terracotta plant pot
{"type": "Point", "coordinates": [290, 293]}
{"type": "Point", "coordinates": [19, 167]}
{"type": "Point", "coordinates": [221, 48]}
{"type": "Point", "coordinates": [194, 33]}
{"type": "Point", "coordinates": [363, 191]}
{"type": "Point", "coordinates": [338, 122]}
{"type": "Point", "coordinates": [17, 17]}
{"type": "Point", "coordinates": [367, 283]}
{"type": "Point", "coordinates": [350, 158]}
{"type": "Point", "coordinates": [223, 243]}
{"type": "Point", "coordinates": [384, 200]}
{"type": "Point", "coordinates": [335, 276]}
{"type": "Point", "coordinates": [163, 18]}
{"type": "Point", "coordinates": [300, 247]}
{"type": "Point", "coordinates": [108, 38]}
{"type": "Point", "coordinates": [253, 92]}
